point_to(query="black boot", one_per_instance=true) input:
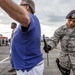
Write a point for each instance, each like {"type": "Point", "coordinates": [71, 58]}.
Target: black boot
{"type": "Point", "coordinates": [64, 71]}
{"type": "Point", "coordinates": [11, 70]}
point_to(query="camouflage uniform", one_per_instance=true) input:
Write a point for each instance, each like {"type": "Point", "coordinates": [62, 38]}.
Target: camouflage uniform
{"type": "Point", "coordinates": [66, 36]}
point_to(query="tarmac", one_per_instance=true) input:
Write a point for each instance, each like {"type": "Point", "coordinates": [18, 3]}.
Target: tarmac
{"type": "Point", "coordinates": [50, 68]}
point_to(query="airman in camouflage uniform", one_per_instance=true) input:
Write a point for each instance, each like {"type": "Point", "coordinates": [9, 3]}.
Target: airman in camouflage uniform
{"type": "Point", "coordinates": [13, 27]}
{"type": "Point", "coordinates": [66, 35]}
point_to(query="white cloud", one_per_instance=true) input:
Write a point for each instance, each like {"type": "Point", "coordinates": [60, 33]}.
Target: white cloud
{"type": "Point", "coordinates": [1, 14]}
{"type": "Point", "coordinates": [48, 11]}
{"type": "Point", "coordinates": [0, 20]}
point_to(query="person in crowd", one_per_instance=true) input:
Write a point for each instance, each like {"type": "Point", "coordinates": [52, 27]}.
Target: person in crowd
{"type": "Point", "coordinates": [13, 27]}
{"type": "Point", "coordinates": [26, 43]}
{"type": "Point", "coordinates": [65, 34]}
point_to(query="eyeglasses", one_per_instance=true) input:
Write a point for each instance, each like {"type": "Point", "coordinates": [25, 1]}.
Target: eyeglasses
{"type": "Point", "coordinates": [28, 5]}
{"type": "Point", "coordinates": [23, 4]}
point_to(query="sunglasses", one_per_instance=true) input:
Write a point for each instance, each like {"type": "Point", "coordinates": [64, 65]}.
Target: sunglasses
{"type": "Point", "coordinates": [23, 4]}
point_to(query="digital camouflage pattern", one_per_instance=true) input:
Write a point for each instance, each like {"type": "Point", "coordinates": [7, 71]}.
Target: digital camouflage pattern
{"type": "Point", "coordinates": [66, 37]}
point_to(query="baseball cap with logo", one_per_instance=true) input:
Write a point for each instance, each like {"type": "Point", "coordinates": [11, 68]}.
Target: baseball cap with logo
{"type": "Point", "coordinates": [71, 15]}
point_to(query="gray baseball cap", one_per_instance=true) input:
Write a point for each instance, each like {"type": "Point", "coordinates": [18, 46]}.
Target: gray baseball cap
{"type": "Point", "coordinates": [31, 4]}
{"type": "Point", "coordinates": [71, 14]}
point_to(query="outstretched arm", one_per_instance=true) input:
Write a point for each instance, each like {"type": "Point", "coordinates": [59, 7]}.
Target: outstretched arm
{"type": "Point", "coordinates": [15, 11]}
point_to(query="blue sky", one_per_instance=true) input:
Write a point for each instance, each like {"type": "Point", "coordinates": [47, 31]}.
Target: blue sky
{"type": "Point", "coordinates": [50, 13]}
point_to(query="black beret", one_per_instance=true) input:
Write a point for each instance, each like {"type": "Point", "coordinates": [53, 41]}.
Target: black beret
{"type": "Point", "coordinates": [71, 15]}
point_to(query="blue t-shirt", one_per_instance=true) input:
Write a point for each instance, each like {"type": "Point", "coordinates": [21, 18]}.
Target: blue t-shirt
{"type": "Point", "coordinates": [26, 46]}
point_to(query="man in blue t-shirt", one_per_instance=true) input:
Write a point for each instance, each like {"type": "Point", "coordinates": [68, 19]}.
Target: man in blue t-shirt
{"type": "Point", "coordinates": [26, 43]}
